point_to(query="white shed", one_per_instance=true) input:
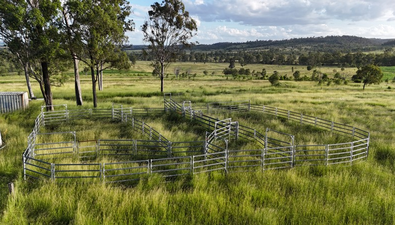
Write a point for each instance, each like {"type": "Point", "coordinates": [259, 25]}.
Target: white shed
{"type": "Point", "coordinates": [11, 101]}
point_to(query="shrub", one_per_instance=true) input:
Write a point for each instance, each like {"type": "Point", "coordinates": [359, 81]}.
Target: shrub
{"type": "Point", "coordinates": [274, 79]}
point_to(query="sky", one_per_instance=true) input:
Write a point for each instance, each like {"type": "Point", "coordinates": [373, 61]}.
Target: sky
{"type": "Point", "coordinates": [250, 20]}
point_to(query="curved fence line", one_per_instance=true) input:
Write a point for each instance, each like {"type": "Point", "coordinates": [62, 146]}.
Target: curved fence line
{"type": "Point", "coordinates": [273, 150]}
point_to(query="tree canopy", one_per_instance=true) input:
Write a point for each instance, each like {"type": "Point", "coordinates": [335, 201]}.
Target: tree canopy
{"type": "Point", "coordinates": [370, 74]}
{"type": "Point", "coordinates": [167, 31]}
{"type": "Point", "coordinates": [41, 32]}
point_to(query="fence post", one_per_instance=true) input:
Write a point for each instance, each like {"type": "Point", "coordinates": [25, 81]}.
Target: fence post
{"type": "Point", "coordinates": [276, 111]}
{"type": "Point", "coordinates": [142, 127]}
{"type": "Point", "coordinates": [226, 156]}
{"type": "Point", "coordinates": [229, 129]}
{"type": "Point", "coordinates": [53, 172]}
{"type": "Point", "coordinates": [353, 132]}
{"type": "Point", "coordinates": [326, 154]}
{"type": "Point", "coordinates": [293, 150]}
{"type": "Point", "coordinates": [367, 145]}
{"type": "Point", "coordinates": [133, 122]}
{"type": "Point", "coordinates": [169, 153]}
{"type": "Point", "coordinates": [24, 167]}
{"type": "Point", "coordinates": [43, 117]}
{"type": "Point", "coordinates": [150, 166]}
{"type": "Point", "coordinates": [263, 108]}
{"type": "Point", "coordinates": [112, 111]}
{"type": "Point", "coordinates": [121, 113]}
{"type": "Point", "coordinates": [288, 114]}
{"type": "Point", "coordinates": [150, 133]}
{"type": "Point", "coordinates": [351, 152]}
{"type": "Point", "coordinates": [192, 164]}
{"type": "Point", "coordinates": [237, 130]}
{"type": "Point", "coordinates": [333, 123]}
{"type": "Point", "coordinates": [103, 172]}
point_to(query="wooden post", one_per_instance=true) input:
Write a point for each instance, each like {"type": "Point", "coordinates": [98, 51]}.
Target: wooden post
{"type": "Point", "coordinates": [11, 188]}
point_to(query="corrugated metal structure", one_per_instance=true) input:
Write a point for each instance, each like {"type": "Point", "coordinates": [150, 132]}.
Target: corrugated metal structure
{"type": "Point", "coordinates": [11, 101]}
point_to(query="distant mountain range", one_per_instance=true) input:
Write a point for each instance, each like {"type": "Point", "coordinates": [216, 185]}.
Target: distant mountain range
{"type": "Point", "coordinates": [343, 43]}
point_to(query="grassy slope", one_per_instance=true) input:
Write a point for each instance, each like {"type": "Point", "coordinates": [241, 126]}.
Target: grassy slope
{"type": "Point", "coordinates": [361, 193]}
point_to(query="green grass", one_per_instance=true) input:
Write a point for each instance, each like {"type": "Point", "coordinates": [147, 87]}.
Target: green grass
{"type": "Point", "coordinates": [389, 72]}
{"type": "Point", "coordinates": [357, 194]}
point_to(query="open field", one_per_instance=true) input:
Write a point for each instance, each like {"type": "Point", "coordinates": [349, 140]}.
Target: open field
{"type": "Point", "coordinates": [361, 193]}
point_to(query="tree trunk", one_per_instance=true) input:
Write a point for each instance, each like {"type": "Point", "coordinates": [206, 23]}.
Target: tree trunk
{"type": "Point", "coordinates": [101, 77]}
{"type": "Point", "coordinates": [364, 84]}
{"type": "Point", "coordinates": [162, 72]}
{"type": "Point", "coordinates": [40, 83]}
{"type": "Point", "coordinates": [47, 86]}
{"type": "Point", "coordinates": [29, 86]}
{"type": "Point", "coordinates": [94, 86]}
{"type": "Point", "coordinates": [78, 96]}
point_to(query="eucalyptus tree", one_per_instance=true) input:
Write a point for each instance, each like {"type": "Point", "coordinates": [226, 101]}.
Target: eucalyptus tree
{"type": "Point", "coordinates": [370, 74]}
{"type": "Point", "coordinates": [12, 33]}
{"type": "Point", "coordinates": [71, 40]}
{"type": "Point", "coordinates": [102, 26]}
{"type": "Point", "coordinates": [168, 31]}
{"type": "Point", "coordinates": [34, 36]}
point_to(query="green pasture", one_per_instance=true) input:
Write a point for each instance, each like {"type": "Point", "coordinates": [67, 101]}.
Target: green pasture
{"type": "Point", "coordinates": [389, 72]}
{"type": "Point", "coordinates": [361, 193]}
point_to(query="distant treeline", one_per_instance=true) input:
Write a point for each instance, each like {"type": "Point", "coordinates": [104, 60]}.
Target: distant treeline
{"type": "Point", "coordinates": [278, 57]}
{"type": "Point", "coordinates": [343, 51]}
{"type": "Point", "coordinates": [323, 44]}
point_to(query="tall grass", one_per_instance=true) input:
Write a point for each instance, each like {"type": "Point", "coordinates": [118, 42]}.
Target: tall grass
{"type": "Point", "coordinates": [358, 194]}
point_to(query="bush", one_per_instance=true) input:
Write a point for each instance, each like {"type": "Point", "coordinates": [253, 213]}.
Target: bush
{"type": "Point", "coordinates": [274, 79]}
{"type": "Point", "coordinates": [338, 81]}
{"type": "Point", "coordinates": [296, 75]}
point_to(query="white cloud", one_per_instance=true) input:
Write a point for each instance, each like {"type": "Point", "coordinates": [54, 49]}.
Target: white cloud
{"type": "Point", "coordinates": [290, 12]}
{"type": "Point", "coordinates": [199, 2]}
{"type": "Point", "coordinates": [246, 20]}
{"type": "Point", "coordinates": [140, 11]}
{"type": "Point", "coordinates": [380, 30]}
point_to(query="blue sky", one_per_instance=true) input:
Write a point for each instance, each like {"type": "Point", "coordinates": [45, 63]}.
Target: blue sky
{"type": "Point", "coordinates": [249, 20]}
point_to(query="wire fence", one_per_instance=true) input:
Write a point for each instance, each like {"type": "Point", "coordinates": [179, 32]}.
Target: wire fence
{"type": "Point", "coordinates": [155, 154]}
